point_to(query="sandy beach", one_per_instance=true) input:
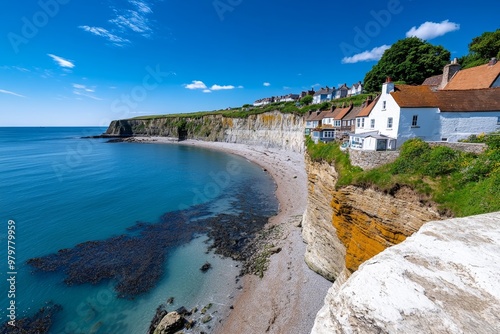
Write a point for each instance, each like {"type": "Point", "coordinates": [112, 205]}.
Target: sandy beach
{"type": "Point", "coordinates": [289, 295]}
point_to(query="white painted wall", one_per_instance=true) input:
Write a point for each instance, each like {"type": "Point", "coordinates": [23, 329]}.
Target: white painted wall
{"type": "Point", "coordinates": [428, 125]}
{"type": "Point", "coordinates": [455, 125]}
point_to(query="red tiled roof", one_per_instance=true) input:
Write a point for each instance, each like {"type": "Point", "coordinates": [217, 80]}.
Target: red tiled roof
{"type": "Point", "coordinates": [353, 113]}
{"type": "Point", "coordinates": [474, 78]}
{"type": "Point", "coordinates": [365, 112]}
{"type": "Point", "coordinates": [414, 96]}
{"type": "Point", "coordinates": [447, 100]}
{"type": "Point", "coordinates": [469, 100]}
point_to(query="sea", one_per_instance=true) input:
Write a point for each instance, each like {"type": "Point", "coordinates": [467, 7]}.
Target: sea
{"type": "Point", "coordinates": [71, 201]}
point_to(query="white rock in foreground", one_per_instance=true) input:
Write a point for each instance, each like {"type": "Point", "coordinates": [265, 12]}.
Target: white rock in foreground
{"type": "Point", "coordinates": [443, 279]}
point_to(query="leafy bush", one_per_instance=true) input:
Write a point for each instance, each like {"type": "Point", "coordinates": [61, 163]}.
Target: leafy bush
{"type": "Point", "coordinates": [442, 160]}
{"type": "Point", "coordinates": [414, 154]}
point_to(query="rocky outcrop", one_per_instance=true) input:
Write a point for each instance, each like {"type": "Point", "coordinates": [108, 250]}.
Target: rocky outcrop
{"type": "Point", "coordinates": [443, 279]}
{"type": "Point", "coordinates": [171, 323]}
{"type": "Point", "coordinates": [271, 129]}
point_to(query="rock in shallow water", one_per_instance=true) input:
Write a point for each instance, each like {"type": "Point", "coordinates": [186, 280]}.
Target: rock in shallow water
{"type": "Point", "coordinates": [170, 324]}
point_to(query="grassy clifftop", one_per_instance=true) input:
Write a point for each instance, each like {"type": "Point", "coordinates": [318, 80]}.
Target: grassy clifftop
{"type": "Point", "coordinates": [247, 110]}
{"type": "Point", "coordinates": [461, 183]}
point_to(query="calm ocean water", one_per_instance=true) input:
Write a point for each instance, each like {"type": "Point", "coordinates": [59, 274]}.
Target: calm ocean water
{"type": "Point", "coordinates": [61, 190]}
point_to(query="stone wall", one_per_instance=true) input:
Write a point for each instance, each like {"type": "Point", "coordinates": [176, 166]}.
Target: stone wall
{"type": "Point", "coordinates": [371, 159]}
{"type": "Point", "coordinates": [465, 147]}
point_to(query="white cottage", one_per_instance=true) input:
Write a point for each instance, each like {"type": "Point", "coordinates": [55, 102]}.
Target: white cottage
{"type": "Point", "coordinates": [402, 112]}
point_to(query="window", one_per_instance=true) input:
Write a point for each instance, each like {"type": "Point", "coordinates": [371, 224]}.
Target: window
{"type": "Point", "coordinates": [372, 123]}
{"type": "Point", "coordinates": [384, 104]}
{"type": "Point", "coordinates": [358, 122]}
{"type": "Point", "coordinates": [414, 122]}
{"type": "Point", "coordinates": [328, 134]}
{"type": "Point", "coordinates": [444, 139]}
{"type": "Point", "coordinates": [389, 122]}
{"type": "Point", "coordinates": [336, 123]}
{"type": "Point", "coordinates": [362, 122]}
{"type": "Point", "coordinates": [498, 120]}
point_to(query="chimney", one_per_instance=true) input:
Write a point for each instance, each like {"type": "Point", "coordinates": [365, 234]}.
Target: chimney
{"type": "Point", "coordinates": [448, 72]}
{"type": "Point", "coordinates": [388, 86]}
{"type": "Point", "coordinates": [493, 61]}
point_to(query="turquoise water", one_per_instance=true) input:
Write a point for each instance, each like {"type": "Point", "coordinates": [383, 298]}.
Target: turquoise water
{"type": "Point", "coordinates": [62, 190]}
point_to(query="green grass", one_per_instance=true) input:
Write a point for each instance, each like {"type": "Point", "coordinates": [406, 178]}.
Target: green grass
{"type": "Point", "coordinates": [461, 183]}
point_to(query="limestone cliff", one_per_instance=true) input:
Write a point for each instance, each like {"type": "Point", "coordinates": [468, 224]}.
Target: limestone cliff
{"type": "Point", "coordinates": [325, 253]}
{"type": "Point", "coordinates": [345, 227]}
{"type": "Point", "coordinates": [272, 129]}
{"type": "Point", "coordinates": [443, 279]}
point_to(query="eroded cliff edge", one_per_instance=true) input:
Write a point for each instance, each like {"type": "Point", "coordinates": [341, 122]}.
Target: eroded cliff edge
{"type": "Point", "coordinates": [345, 227]}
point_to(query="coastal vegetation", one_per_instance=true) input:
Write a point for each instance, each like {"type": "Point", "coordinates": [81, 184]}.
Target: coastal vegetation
{"type": "Point", "coordinates": [482, 49]}
{"type": "Point", "coordinates": [461, 183]}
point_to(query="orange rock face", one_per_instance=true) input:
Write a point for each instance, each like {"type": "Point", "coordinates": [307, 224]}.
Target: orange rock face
{"type": "Point", "coordinates": [368, 221]}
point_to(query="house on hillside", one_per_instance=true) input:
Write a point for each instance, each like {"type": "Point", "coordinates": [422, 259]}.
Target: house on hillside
{"type": "Point", "coordinates": [322, 95]}
{"type": "Point", "coordinates": [355, 89]}
{"type": "Point", "coordinates": [341, 91]}
{"type": "Point", "coordinates": [314, 120]}
{"type": "Point", "coordinates": [402, 112]}
{"type": "Point", "coordinates": [350, 119]}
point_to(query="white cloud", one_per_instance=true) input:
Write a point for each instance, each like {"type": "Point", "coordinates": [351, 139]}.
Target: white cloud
{"type": "Point", "coordinates": [267, 84]}
{"type": "Point", "coordinates": [142, 6]}
{"type": "Point", "coordinates": [10, 93]}
{"type": "Point", "coordinates": [218, 87]}
{"type": "Point", "coordinates": [207, 91]}
{"type": "Point", "coordinates": [98, 31]}
{"type": "Point", "coordinates": [61, 61]}
{"type": "Point", "coordinates": [85, 88]}
{"type": "Point", "coordinates": [240, 87]}
{"type": "Point", "coordinates": [430, 30]}
{"type": "Point", "coordinates": [372, 55]}
{"type": "Point", "coordinates": [82, 90]}
{"type": "Point", "coordinates": [134, 19]}
{"type": "Point", "coordinates": [196, 84]}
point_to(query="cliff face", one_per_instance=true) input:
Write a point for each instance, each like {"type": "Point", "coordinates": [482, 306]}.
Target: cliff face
{"type": "Point", "coordinates": [443, 279]}
{"type": "Point", "coordinates": [272, 129]}
{"type": "Point", "coordinates": [325, 253]}
{"type": "Point", "coordinates": [343, 228]}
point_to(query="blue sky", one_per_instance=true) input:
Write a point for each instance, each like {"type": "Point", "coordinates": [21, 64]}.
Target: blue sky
{"type": "Point", "coordinates": [68, 62]}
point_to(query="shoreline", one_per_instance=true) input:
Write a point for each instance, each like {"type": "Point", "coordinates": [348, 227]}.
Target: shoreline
{"type": "Point", "coordinates": [290, 294]}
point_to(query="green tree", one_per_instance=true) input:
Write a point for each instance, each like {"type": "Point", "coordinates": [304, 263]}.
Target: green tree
{"type": "Point", "coordinates": [482, 49]}
{"type": "Point", "coordinates": [306, 100]}
{"type": "Point", "coordinates": [410, 60]}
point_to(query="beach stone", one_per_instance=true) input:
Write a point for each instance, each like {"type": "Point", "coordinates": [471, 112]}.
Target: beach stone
{"type": "Point", "coordinates": [170, 324]}
{"type": "Point", "coordinates": [206, 267]}
{"type": "Point", "coordinates": [275, 250]}
{"type": "Point", "coordinates": [206, 319]}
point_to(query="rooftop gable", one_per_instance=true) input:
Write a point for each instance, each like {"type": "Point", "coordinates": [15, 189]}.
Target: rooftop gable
{"type": "Point", "coordinates": [477, 77]}
{"type": "Point", "coordinates": [365, 112]}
